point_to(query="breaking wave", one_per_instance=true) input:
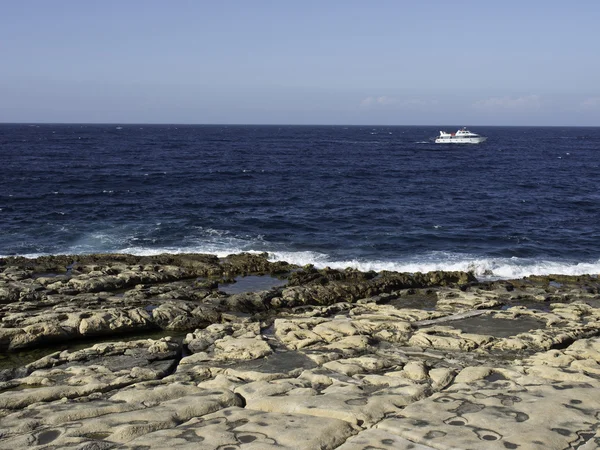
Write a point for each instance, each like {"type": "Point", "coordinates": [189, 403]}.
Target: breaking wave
{"type": "Point", "coordinates": [482, 268]}
{"type": "Point", "coordinates": [221, 246]}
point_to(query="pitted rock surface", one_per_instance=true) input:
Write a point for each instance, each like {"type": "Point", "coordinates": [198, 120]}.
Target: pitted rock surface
{"type": "Point", "coordinates": [331, 359]}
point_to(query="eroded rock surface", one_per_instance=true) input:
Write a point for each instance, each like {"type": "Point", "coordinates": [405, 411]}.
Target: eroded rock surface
{"type": "Point", "coordinates": [329, 359]}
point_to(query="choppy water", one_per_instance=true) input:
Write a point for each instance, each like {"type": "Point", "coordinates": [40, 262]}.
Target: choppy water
{"type": "Point", "coordinates": [526, 201]}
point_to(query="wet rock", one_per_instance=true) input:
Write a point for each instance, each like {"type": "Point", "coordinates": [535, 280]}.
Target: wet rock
{"type": "Point", "coordinates": [99, 368]}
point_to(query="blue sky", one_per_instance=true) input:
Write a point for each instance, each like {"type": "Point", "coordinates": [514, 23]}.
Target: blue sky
{"type": "Point", "coordinates": [301, 62]}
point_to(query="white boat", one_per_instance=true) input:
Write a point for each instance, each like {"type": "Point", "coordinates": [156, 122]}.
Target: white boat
{"type": "Point", "coordinates": [462, 136]}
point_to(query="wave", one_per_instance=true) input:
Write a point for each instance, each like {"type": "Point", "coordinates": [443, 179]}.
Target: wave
{"type": "Point", "coordinates": [483, 268]}
{"type": "Point", "coordinates": [150, 240]}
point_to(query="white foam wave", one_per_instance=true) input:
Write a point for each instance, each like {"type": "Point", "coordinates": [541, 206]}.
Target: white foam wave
{"type": "Point", "coordinates": [206, 249]}
{"type": "Point", "coordinates": [222, 243]}
{"type": "Point", "coordinates": [483, 268]}
{"type": "Point", "coordinates": [146, 241]}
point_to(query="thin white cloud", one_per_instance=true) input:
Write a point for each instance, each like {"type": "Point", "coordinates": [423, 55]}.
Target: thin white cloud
{"type": "Point", "coordinates": [513, 103]}
{"type": "Point", "coordinates": [381, 101]}
{"type": "Point", "coordinates": [590, 103]}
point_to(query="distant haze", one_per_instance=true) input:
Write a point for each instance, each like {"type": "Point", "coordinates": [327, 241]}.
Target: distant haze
{"type": "Point", "coordinates": [386, 62]}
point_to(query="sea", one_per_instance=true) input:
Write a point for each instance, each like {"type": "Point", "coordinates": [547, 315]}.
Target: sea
{"type": "Point", "coordinates": [526, 201]}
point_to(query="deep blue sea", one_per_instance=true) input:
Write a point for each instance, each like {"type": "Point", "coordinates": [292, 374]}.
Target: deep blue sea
{"type": "Point", "coordinates": [527, 201]}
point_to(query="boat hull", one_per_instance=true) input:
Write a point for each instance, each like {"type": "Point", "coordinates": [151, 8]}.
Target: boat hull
{"type": "Point", "coordinates": [460, 140]}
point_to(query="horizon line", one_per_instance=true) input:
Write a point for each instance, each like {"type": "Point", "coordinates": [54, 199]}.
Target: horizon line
{"type": "Point", "coordinates": [285, 124]}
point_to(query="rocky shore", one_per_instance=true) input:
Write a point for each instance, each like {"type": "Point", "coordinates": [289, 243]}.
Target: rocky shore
{"type": "Point", "coordinates": [197, 352]}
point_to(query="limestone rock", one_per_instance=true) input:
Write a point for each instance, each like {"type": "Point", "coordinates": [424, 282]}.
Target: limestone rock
{"type": "Point", "coordinates": [381, 440]}
{"type": "Point", "coordinates": [243, 428]}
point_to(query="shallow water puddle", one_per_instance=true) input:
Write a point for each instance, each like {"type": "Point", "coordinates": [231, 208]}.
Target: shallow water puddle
{"type": "Point", "coordinates": [251, 283]}
{"type": "Point", "coordinates": [45, 437]}
{"type": "Point", "coordinates": [46, 275]}
{"type": "Point", "coordinates": [281, 361]}
{"type": "Point", "coordinates": [497, 327]}
{"type": "Point", "coordinates": [415, 301]}
{"type": "Point", "coordinates": [539, 306]}
{"type": "Point", "coordinates": [22, 358]}
{"type": "Point", "coordinates": [593, 302]}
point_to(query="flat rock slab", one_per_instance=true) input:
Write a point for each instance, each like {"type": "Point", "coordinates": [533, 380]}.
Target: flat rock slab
{"type": "Point", "coordinates": [375, 439]}
{"type": "Point", "coordinates": [545, 417]}
{"type": "Point", "coordinates": [237, 428]}
{"type": "Point", "coordinates": [354, 407]}
{"type": "Point", "coordinates": [119, 419]}
{"type": "Point", "coordinates": [100, 368]}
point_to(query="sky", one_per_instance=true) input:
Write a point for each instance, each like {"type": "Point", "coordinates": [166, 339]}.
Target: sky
{"type": "Point", "coordinates": [338, 62]}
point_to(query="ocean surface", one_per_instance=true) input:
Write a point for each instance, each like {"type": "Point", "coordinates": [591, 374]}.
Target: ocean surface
{"type": "Point", "coordinates": [525, 202]}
